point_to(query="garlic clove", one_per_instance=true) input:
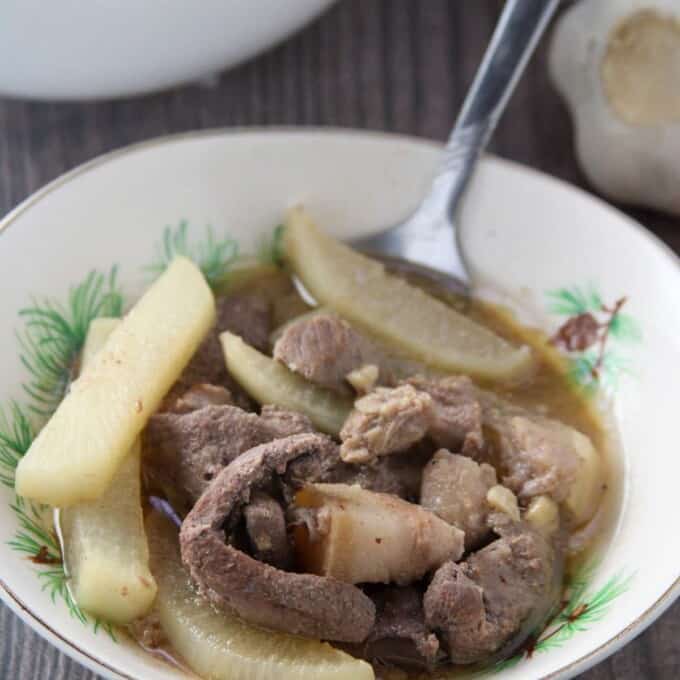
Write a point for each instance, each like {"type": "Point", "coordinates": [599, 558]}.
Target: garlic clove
{"type": "Point", "coordinates": [612, 62]}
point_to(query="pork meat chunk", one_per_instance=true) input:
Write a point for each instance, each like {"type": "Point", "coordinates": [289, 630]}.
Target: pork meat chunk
{"type": "Point", "coordinates": [385, 421]}
{"type": "Point", "coordinates": [265, 523]}
{"type": "Point", "coordinates": [456, 420]}
{"type": "Point", "coordinates": [232, 579]}
{"type": "Point", "coordinates": [400, 637]}
{"type": "Point", "coordinates": [248, 315]}
{"type": "Point", "coordinates": [399, 474]}
{"type": "Point", "coordinates": [455, 488]}
{"type": "Point", "coordinates": [490, 603]}
{"type": "Point", "coordinates": [538, 456]}
{"type": "Point", "coordinates": [184, 452]}
{"type": "Point", "coordinates": [245, 314]}
{"type": "Point", "coordinates": [283, 423]}
{"type": "Point", "coordinates": [323, 349]}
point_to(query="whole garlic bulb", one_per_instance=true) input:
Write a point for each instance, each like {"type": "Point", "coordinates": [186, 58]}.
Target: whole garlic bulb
{"type": "Point", "coordinates": [617, 64]}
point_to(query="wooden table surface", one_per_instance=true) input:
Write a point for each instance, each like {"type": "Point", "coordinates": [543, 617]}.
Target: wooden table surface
{"type": "Point", "coordinates": [399, 65]}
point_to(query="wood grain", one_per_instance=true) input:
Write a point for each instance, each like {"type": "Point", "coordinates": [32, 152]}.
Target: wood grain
{"type": "Point", "coordinates": [396, 65]}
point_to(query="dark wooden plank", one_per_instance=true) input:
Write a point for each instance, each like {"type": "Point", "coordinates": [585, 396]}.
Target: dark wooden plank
{"type": "Point", "coordinates": [26, 656]}
{"type": "Point", "coordinates": [381, 64]}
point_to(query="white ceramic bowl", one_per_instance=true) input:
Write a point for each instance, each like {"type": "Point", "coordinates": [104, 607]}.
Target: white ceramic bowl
{"type": "Point", "coordinates": [525, 234]}
{"type": "Point", "coordinates": [73, 49]}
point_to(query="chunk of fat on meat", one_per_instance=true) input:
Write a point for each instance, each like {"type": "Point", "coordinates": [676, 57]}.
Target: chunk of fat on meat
{"type": "Point", "coordinates": [363, 379]}
{"type": "Point", "coordinates": [199, 396]}
{"type": "Point", "coordinates": [500, 498]}
{"type": "Point", "coordinates": [386, 420]}
{"type": "Point", "coordinates": [586, 492]}
{"type": "Point", "coordinates": [455, 488]}
{"type": "Point", "coordinates": [543, 514]}
{"type": "Point", "coordinates": [368, 537]}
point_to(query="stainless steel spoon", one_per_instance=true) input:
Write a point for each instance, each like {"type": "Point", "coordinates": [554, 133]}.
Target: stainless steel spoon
{"type": "Point", "coordinates": [428, 242]}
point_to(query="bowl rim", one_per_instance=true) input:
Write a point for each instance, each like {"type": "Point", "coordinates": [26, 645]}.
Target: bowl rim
{"type": "Point", "coordinates": [633, 629]}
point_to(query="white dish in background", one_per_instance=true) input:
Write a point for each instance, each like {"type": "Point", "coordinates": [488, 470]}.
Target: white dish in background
{"type": "Point", "coordinates": [83, 50]}
{"type": "Point", "coordinates": [525, 235]}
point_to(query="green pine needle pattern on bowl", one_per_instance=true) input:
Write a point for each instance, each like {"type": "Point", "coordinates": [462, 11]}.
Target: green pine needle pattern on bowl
{"type": "Point", "coordinates": [594, 336]}
{"type": "Point", "coordinates": [581, 606]}
{"type": "Point", "coordinates": [51, 338]}
{"type": "Point", "coordinates": [53, 334]}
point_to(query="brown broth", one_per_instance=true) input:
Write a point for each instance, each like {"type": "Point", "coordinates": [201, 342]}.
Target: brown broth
{"type": "Point", "coordinates": [547, 389]}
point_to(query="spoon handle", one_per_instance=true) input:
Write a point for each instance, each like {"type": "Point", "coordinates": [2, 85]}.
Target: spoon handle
{"type": "Point", "coordinates": [518, 31]}
{"type": "Point", "coordinates": [430, 235]}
